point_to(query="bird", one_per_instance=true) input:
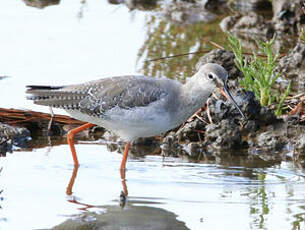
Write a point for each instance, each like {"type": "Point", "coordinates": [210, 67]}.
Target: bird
{"type": "Point", "coordinates": [133, 106]}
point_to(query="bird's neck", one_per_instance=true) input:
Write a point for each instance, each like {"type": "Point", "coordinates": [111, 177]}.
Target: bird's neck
{"type": "Point", "coordinates": [194, 95]}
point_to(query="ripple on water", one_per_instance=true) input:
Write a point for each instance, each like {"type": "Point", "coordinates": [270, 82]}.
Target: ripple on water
{"type": "Point", "coordinates": [179, 172]}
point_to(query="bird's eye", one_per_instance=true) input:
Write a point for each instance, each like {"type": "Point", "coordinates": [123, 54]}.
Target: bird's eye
{"type": "Point", "coordinates": [210, 76]}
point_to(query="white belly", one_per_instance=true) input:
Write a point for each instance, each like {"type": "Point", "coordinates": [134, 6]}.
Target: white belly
{"type": "Point", "coordinates": [130, 124]}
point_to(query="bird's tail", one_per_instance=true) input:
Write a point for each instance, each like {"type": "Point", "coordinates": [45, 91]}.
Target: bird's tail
{"type": "Point", "coordinates": [54, 96]}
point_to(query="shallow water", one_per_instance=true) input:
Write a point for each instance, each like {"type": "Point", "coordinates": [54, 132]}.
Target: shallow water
{"type": "Point", "coordinates": [190, 195]}
{"type": "Point", "coordinates": [76, 41]}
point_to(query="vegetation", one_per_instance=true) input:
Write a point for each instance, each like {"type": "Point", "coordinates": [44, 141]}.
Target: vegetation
{"type": "Point", "coordinates": [259, 74]}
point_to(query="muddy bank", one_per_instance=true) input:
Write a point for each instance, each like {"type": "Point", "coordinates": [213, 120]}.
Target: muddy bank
{"type": "Point", "coordinates": [228, 132]}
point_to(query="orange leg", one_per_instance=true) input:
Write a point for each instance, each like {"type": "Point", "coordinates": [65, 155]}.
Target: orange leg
{"type": "Point", "coordinates": [125, 155]}
{"type": "Point", "coordinates": [70, 138]}
{"type": "Point", "coordinates": [123, 178]}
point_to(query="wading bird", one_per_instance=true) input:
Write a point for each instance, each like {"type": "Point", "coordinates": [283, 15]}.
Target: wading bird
{"type": "Point", "coordinates": [133, 106]}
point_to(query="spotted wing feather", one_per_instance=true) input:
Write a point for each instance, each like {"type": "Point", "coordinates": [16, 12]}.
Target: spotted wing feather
{"type": "Point", "coordinates": [123, 92]}
{"type": "Point", "coordinates": [98, 97]}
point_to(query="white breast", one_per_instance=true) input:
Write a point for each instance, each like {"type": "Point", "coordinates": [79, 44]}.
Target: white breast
{"type": "Point", "coordinates": [130, 124]}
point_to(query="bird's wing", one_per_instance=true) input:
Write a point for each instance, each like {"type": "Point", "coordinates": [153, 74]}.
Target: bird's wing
{"type": "Point", "coordinates": [124, 92]}
{"type": "Point", "coordinates": [98, 97]}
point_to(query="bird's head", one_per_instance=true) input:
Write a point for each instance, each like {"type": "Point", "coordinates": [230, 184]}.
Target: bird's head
{"type": "Point", "coordinates": [216, 76]}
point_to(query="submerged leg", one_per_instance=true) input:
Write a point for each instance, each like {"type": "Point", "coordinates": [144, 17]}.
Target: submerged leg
{"type": "Point", "coordinates": [70, 138]}
{"type": "Point", "coordinates": [71, 182]}
{"type": "Point", "coordinates": [125, 155]}
{"type": "Point", "coordinates": [123, 178]}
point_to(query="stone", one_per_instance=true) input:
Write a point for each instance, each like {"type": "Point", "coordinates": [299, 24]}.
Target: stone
{"type": "Point", "coordinates": [11, 137]}
{"type": "Point", "coordinates": [222, 136]}
{"type": "Point", "coordinates": [271, 140]}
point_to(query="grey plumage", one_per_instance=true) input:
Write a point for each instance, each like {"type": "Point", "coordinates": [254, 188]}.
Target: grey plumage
{"type": "Point", "coordinates": [95, 98]}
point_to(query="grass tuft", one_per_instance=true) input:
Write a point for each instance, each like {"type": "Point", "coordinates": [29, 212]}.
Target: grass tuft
{"type": "Point", "coordinates": [259, 74]}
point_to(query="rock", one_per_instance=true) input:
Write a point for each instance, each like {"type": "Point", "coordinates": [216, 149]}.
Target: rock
{"type": "Point", "coordinates": [250, 28]}
{"type": "Point", "coordinates": [294, 58]}
{"type": "Point", "coordinates": [11, 137]}
{"type": "Point", "coordinates": [300, 144]}
{"type": "Point", "coordinates": [183, 12]}
{"type": "Point", "coordinates": [271, 140]}
{"type": "Point", "coordinates": [223, 136]}
{"type": "Point", "coordinates": [287, 16]}
{"type": "Point", "coordinates": [247, 102]}
{"type": "Point", "coordinates": [215, 5]}
{"type": "Point", "coordinates": [249, 25]}
{"type": "Point", "coordinates": [226, 110]}
{"type": "Point", "coordinates": [191, 131]}
{"type": "Point", "coordinates": [141, 4]}
{"type": "Point", "coordinates": [250, 5]}
{"type": "Point", "coordinates": [194, 150]}
{"type": "Point", "coordinates": [115, 2]}
{"type": "Point", "coordinates": [171, 146]}
{"type": "Point", "coordinates": [292, 66]}
{"type": "Point", "coordinates": [266, 116]}
{"type": "Point", "coordinates": [144, 146]}
{"type": "Point", "coordinates": [41, 3]}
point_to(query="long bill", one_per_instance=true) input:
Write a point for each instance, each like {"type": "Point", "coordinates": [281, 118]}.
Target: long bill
{"type": "Point", "coordinates": [232, 99]}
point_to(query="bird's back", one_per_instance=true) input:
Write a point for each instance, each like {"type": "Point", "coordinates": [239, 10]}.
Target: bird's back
{"type": "Point", "coordinates": [96, 98]}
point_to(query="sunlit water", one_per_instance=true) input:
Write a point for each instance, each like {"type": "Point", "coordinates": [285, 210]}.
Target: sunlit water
{"type": "Point", "coordinates": [203, 196]}
{"type": "Point", "coordinates": [75, 42]}
{"type": "Point", "coordinates": [55, 46]}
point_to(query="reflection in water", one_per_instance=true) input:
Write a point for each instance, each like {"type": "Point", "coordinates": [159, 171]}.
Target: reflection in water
{"type": "Point", "coordinates": [41, 3]}
{"type": "Point", "coordinates": [82, 9]}
{"type": "Point", "coordinates": [259, 205]}
{"type": "Point", "coordinates": [132, 217]}
{"type": "Point", "coordinates": [136, 4]}
{"type": "Point", "coordinates": [2, 77]}
{"type": "Point", "coordinates": [263, 196]}
{"type": "Point", "coordinates": [254, 188]}
{"type": "Point", "coordinates": [164, 38]}
{"type": "Point", "coordinates": [123, 195]}
{"type": "Point", "coordinates": [115, 217]}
